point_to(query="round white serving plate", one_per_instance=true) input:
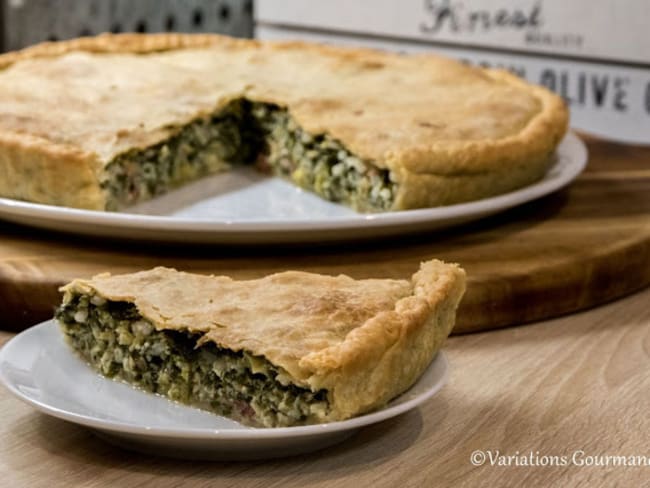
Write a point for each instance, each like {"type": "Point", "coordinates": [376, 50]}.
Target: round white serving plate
{"type": "Point", "coordinates": [39, 368]}
{"type": "Point", "coordinates": [242, 206]}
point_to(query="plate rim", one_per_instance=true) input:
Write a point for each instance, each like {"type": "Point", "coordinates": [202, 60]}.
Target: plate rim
{"type": "Point", "coordinates": [244, 433]}
{"type": "Point", "coordinates": [165, 224]}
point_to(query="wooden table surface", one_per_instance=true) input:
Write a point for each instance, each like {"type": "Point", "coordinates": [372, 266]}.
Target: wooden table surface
{"type": "Point", "coordinates": [574, 386]}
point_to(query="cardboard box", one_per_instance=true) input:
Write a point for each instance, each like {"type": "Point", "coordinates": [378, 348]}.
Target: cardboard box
{"type": "Point", "coordinates": [595, 54]}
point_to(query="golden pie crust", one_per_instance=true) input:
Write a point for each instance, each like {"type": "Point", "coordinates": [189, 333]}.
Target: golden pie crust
{"type": "Point", "coordinates": [365, 341]}
{"type": "Point", "coordinates": [446, 131]}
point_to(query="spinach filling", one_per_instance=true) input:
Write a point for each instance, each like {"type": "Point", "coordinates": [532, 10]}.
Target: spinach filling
{"type": "Point", "coordinates": [245, 132]}
{"type": "Point", "coordinates": [117, 341]}
{"type": "Point", "coordinates": [320, 163]}
{"type": "Point", "coordinates": [205, 146]}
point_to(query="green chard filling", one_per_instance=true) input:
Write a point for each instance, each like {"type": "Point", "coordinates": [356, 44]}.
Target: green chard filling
{"type": "Point", "coordinates": [205, 146]}
{"type": "Point", "coordinates": [117, 341]}
{"type": "Point", "coordinates": [320, 163]}
{"type": "Point", "coordinates": [247, 132]}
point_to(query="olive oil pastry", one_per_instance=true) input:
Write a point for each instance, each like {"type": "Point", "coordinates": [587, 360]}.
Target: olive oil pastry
{"type": "Point", "coordinates": [105, 122]}
{"type": "Point", "coordinates": [291, 348]}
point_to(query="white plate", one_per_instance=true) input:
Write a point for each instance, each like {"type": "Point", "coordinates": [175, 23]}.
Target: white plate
{"type": "Point", "coordinates": [40, 369]}
{"type": "Point", "coordinates": [243, 206]}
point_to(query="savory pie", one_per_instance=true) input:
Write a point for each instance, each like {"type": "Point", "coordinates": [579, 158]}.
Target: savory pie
{"type": "Point", "coordinates": [288, 349]}
{"type": "Point", "coordinates": [105, 122]}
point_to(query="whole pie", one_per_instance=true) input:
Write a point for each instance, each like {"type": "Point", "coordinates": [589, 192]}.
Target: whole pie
{"type": "Point", "coordinates": [105, 122]}
{"type": "Point", "coordinates": [288, 349]}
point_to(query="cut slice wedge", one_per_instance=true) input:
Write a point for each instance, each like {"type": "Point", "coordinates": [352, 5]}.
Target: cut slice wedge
{"type": "Point", "coordinates": [288, 349]}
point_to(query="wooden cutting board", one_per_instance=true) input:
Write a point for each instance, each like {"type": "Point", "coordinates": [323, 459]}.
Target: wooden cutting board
{"type": "Point", "coordinates": [580, 247]}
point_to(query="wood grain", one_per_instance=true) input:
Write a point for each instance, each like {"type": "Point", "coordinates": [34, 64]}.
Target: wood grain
{"type": "Point", "coordinates": [580, 247]}
{"type": "Point", "coordinates": [580, 382]}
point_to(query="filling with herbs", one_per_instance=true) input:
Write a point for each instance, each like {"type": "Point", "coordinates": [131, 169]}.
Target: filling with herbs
{"type": "Point", "coordinates": [320, 163]}
{"type": "Point", "coordinates": [246, 132]}
{"type": "Point", "coordinates": [116, 340]}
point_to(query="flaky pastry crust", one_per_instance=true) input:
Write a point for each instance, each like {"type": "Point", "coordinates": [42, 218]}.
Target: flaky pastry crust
{"type": "Point", "coordinates": [365, 341]}
{"type": "Point", "coordinates": [447, 132]}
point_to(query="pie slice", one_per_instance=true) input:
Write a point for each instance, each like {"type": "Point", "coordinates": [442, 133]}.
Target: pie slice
{"type": "Point", "coordinates": [106, 122]}
{"type": "Point", "coordinates": [288, 349]}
